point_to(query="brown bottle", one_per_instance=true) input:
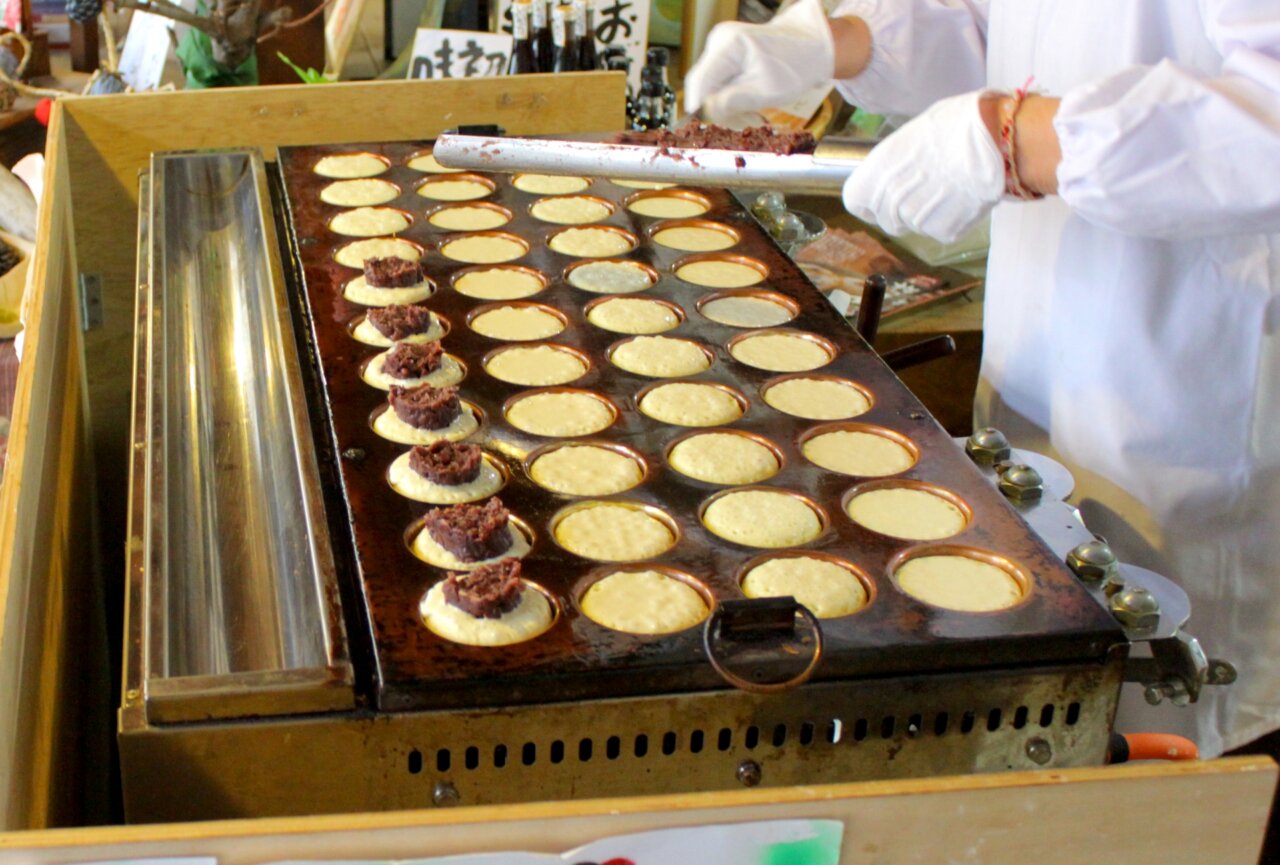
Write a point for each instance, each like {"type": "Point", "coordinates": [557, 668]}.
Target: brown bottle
{"type": "Point", "coordinates": [522, 60]}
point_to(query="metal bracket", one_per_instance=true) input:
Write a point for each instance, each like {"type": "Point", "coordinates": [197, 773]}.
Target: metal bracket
{"type": "Point", "coordinates": [90, 301]}
{"type": "Point", "coordinates": [1177, 670]}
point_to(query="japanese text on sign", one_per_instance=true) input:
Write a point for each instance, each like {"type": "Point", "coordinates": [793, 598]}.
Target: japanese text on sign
{"type": "Point", "coordinates": [618, 22]}
{"type": "Point", "coordinates": [458, 54]}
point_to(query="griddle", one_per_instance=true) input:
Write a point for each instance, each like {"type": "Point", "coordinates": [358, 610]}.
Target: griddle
{"type": "Point", "coordinates": [412, 668]}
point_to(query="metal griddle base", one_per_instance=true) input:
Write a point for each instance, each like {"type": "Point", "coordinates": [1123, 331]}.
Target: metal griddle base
{"type": "Point", "coordinates": [914, 726]}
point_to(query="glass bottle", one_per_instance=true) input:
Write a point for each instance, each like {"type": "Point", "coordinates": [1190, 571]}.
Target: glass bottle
{"type": "Point", "coordinates": [522, 60]}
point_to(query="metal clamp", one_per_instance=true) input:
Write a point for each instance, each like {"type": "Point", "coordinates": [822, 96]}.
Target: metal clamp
{"type": "Point", "coordinates": [1178, 670]}
{"type": "Point", "coordinates": [762, 631]}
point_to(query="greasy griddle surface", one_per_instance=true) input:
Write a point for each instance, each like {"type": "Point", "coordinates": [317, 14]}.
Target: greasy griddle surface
{"type": "Point", "coordinates": [577, 658]}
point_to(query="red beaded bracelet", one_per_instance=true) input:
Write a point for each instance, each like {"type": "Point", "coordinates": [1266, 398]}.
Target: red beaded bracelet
{"type": "Point", "coordinates": [1013, 184]}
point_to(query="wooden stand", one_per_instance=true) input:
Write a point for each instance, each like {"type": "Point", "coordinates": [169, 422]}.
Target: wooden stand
{"type": "Point", "coordinates": [61, 541]}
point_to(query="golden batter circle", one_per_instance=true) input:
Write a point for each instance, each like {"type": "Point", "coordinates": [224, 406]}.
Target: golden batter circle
{"type": "Point", "coordinates": [369, 222]}
{"type": "Point", "coordinates": [762, 518]}
{"type": "Point", "coordinates": [862, 454]}
{"type": "Point", "coordinates": [694, 238]}
{"type": "Point", "coordinates": [348, 166]}
{"type": "Point", "coordinates": [570, 210]}
{"type": "Point", "coordinates": [364, 192]}
{"type": "Point", "coordinates": [591, 242]}
{"type": "Point", "coordinates": [450, 372]}
{"type": "Point", "coordinates": [536, 366]}
{"type": "Point", "coordinates": [668, 206]}
{"type": "Point", "coordinates": [454, 190]}
{"type": "Point", "coordinates": [550, 184]}
{"type": "Point", "coordinates": [746, 312]}
{"type": "Point", "coordinates": [426, 548]}
{"type": "Point", "coordinates": [817, 398]}
{"type": "Point", "coordinates": [498, 283]}
{"type": "Point", "coordinates": [483, 249]}
{"type": "Point", "coordinates": [633, 315]}
{"type": "Point", "coordinates": [906, 512]}
{"type": "Point", "coordinates": [610, 277]}
{"type": "Point", "coordinates": [660, 357]}
{"type": "Point", "coordinates": [959, 583]}
{"type": "Point", "coordinates": [585, 470]}
{"type": "Point", "coordinates": [560, 414]}
{"type": "Point", "coordinates": [691, 404]}
{"type": "Point", "coordinates": [408, 483]}
{"type": "Point", "coordinates": [517, 323]}
{"type": "Point", "coordinates": [463, 218]}
{"type": "Point", "coordinates": [361, 292]}
{"type": "Point", "coordinates": [355, 253]}
{"type": "Point", "coordinates": [531, 617]}
{"type": "Point", "coordinates": [613, 532]}
{"type": "Point", "coordinates": [823, 587]}
{"type": "Point", "coordinates": [780, 352]}
{"type": "Point", "coordinates": [723, 458]}
{"type": "Point", "coordinates": [716, 273]}
{"type": "Point", "coordinates": [643, 602]}
{"type": "Point", "coordinates": [426, 163]}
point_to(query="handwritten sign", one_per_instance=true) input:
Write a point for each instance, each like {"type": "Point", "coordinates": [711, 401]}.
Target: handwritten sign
{"type": "Point", "coordinates": [618, 22]}
{"type": "Point", "coordinates": [459, 54]}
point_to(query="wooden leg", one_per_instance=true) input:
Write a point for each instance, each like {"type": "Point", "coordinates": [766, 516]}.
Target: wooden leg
{"type": "Point", "coordinates": [84, 46]}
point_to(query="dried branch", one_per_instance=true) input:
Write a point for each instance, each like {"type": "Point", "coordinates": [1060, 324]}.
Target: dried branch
{"type": "Point", "coordinates": [14, 82]}
{"type": "Point", "coordinates": [167, 9]}
{"type": "Point", "coordinates": [113, 52]}
{"type": "Point", "coordinates": [289, 24]}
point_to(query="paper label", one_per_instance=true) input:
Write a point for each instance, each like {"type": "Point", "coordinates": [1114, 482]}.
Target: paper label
{"type": "Point", "coordinates": [459, 54]}
{"type": "Point", "coordinates": [617, 22]}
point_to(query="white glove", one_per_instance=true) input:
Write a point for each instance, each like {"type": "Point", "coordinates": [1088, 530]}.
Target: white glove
{"type": "Point", "coordinates": [937, 175]}
{"type": "Point", "coordinates": [746, 67]}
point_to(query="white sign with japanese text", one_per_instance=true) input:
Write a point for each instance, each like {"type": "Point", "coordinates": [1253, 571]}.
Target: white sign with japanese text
{"type": "Point", "coordinates": [459, 54]}
{"type": "Point", "coordinates": [618, 22]}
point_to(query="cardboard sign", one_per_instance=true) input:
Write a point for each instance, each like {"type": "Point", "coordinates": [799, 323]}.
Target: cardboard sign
{"type": "Point", "coordinates": [459, 54]}
{"type": "Point", "coordinates": [617, 22]}
{"type": "Point", "coordinates": [760, 842]}
{"type": "Point", "coordinates": [146, 48]}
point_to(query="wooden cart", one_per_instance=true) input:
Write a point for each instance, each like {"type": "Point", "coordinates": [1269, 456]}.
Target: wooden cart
{"type": "Point", "coordinates": [62, 557]}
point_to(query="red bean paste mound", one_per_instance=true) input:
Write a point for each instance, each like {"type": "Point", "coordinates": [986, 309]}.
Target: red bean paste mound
{"type": "Point", "coordinates": [488, 591]}
{"type": "Point", "coordinates": [473, 533]}
{"type": "Point", "coordinates": [425, 407]}
{"type": "Point", "coordinates": [397, 321]}
{"type": "Point", "coordinates": [413, 359]}
{"type": "Point", "coordinates": [447, 463]}
{"type": "Point", "coordinates": [392, 272]}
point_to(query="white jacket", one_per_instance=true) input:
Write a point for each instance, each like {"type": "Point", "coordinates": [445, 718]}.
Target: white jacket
{"type": "Point", "coordinates": [1131, 322]}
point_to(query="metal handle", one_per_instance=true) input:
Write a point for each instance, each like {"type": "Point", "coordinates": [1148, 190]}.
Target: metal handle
{"type": "Point", "coordinates": [760, 631]}
{"type": "Point", "coordinates": [925, 350]}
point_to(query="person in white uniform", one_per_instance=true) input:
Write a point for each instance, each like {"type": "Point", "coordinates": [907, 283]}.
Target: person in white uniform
{"type": "Point", "coordinates": [1132, 307]}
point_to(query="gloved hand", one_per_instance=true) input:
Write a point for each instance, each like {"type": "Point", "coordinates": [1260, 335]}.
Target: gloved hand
{"type": "Point", "coordinates": [746, 67]}
{"type": "Point", "coordinates": [937, 175]}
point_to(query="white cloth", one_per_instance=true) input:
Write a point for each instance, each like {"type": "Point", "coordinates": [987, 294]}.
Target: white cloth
{"type": "Point", "coordinates": [746, 67]}
{"type": "Point", "coordinates": [939, 175]}
{"type": "Point", "coordinates": [1132, 323]}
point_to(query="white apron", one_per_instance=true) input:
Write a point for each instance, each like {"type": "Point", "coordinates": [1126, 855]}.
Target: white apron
{"type": "Point", "coordinates": [1150, 365]}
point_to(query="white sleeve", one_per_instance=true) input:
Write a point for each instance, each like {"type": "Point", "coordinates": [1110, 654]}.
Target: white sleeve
{"type": "Point", "coordinates": [1162, 151]}
{"type": "Point", "coordinates": [921, 51]}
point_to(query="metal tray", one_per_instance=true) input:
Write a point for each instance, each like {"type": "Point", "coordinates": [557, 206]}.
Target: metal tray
{"type": "Point", "coordinates": [577, 659]}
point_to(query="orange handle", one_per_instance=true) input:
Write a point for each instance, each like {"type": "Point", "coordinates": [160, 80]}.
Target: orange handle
{"type": "Point", "coordinates": [1161, 746]}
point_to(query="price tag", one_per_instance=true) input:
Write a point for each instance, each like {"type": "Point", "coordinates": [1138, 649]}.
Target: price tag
{"type": "Point", "coordinates": [459, 54]}
{"type": "Point", "coordinates": [618, 22]}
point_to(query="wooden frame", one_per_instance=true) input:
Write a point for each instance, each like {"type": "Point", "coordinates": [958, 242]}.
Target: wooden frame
{"type": "Point", "coordinates": [53, 641]}
{"type": "Point", "coordinates": [1139, 814]}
